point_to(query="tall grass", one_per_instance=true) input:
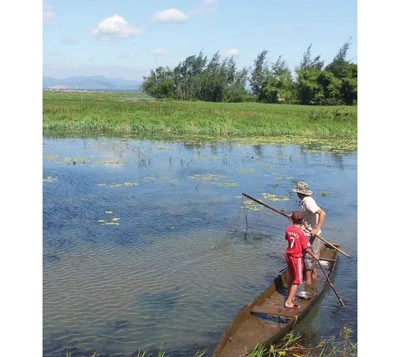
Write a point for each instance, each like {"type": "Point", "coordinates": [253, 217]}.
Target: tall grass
{"type": "Point", "coordinates": [289, 346]}
{"type": "Point", "coordinates": [120, 114]}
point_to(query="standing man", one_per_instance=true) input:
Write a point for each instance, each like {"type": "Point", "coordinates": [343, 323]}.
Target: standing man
{"type": "Point", "coordinates": [314, 218]}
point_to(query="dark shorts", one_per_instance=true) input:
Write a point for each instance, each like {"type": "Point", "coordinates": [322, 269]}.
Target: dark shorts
{"type": "Point", "coordinates": [309, 261]}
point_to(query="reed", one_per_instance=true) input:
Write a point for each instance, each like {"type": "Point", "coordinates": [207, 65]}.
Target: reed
{"type": "Point", "coordinates": [290, 346]}
{"type": "Point", "coordinates": [122, 114]}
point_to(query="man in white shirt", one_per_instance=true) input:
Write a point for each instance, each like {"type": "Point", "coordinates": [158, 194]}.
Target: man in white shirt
{"type": "Point", "coordinates": [314, 218]}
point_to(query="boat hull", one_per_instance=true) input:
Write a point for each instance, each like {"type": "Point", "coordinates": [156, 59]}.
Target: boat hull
{"type": "Point", "coordinates": [266, 320]}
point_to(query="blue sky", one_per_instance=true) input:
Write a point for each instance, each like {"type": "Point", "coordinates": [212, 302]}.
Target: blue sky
{"type": "Point", "coordinates": [126, 39]}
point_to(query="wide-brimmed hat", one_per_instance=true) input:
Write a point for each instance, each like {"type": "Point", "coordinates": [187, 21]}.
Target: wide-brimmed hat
{"type": "Point", "coordinates": [302, 188]}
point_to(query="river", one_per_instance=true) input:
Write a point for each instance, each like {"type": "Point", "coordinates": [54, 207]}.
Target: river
{"type": "Point", "coordinates": [150, 243]}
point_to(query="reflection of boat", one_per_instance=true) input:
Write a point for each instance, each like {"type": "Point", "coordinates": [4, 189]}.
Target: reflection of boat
{"type": "Point", "coordinates": [265, 321]}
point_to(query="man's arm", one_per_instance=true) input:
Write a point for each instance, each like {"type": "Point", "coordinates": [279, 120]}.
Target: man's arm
{"type": "Point", "coordinates": [321, 219]}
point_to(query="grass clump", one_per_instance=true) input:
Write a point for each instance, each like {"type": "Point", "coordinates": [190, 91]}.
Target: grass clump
{"type": "Point", "coordinates": [116, 114]}
{"type": "Point", "coordinates": [289, 346]}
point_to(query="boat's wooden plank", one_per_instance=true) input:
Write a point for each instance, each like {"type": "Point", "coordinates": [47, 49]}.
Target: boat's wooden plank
{"type": "Point", "coordinates": [251, 331]}
{"type": "Point", "coordinates": [275, 305]}
{"type": "Point", "coordinates": [327, 259]}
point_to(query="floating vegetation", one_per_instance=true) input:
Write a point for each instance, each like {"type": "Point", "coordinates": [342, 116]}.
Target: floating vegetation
{"type": "Point", "coordinates": [112, 221]}
{"type": "Point", "coordinates": [125, 184]}
{"type": "Point", "coordinates": [129, 184]}
{"type": "Point", "coordinates": [75, 160]}
{"type": "Point", "coordinates": [250, 204]}
{"type": "Point", "coordinates": [322, 193]}
{"type": "Point", "coordinates": [110, 162]}
{"type": "Point", "coordinates": [49, 179]}
{"type": "Point", "coordinates": [51, 157]}
{"type": "Point", "coordinates": [228, 184]}
{"type": "Point", "coordinates": [272, 197]}
{"type": "Point", "coordinates": [213, 180]}
{"type": "Point", "coordinates": [116, 185]}
{"type": "Point", "coordinates": [206, 177]}
{"type": "Point", "coordinates": [110, 224]}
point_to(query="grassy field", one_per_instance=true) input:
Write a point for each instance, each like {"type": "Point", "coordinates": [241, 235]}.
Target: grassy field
{"type": "Point", "coordinates": [131, 114]}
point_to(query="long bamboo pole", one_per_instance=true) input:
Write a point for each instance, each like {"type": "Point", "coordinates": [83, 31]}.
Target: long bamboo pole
{"type": "Point", "coordinates": [330, 283]}
{"type": "Point", "coordinates": [287, 216]}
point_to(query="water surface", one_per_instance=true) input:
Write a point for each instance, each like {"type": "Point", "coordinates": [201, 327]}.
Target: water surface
{"type": "Point", "coordinates": [150, 243]}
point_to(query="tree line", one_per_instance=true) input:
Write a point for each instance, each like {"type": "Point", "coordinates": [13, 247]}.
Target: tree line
{"type": "Point", "coordinates": [219, 80]}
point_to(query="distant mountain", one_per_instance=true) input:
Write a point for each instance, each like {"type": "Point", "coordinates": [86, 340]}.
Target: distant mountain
{"type": "Point", "coordinates": [91, 82]}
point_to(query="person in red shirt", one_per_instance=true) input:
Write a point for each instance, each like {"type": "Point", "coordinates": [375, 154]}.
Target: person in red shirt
{"type": "Point", "coordinates": [297, 243]}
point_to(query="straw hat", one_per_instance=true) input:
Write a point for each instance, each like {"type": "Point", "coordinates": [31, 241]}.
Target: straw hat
{"type": "Point", "coordinates": [302, 188]}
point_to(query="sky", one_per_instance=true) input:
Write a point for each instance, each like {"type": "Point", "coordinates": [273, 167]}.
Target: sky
{"type": "Point", "coordinates": [127, 39]}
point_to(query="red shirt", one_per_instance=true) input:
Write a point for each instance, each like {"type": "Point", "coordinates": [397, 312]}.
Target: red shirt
{"type": "Point", "coordinates": [297, 241]}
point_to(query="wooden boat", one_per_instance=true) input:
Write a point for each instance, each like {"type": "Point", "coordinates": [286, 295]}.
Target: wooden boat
{"type": "Point", "coordinates": [266, 320]}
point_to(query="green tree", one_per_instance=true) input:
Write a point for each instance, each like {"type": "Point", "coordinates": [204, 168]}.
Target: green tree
{"type": "Point", "coordinates": [258, 76]}
{"type": "Point", "coordinates": [338, 67]}
{"type": "Point", "coordinates": [235, 91]}
{"type": "Point", "coordinates": [187, 76]}
{"type": "Point", "coordinates": [329, 86]}
{"type": "Point", "coordinates": [270, 91]}
{"type": "Point", "coordinates": [212, 81]}
{"type": "Point", "coordinates": [159, 84]}
{"type": "Point", "coordinates": [349, 85]}
{"type": "Point", "coordinates": [346, 72]}
{"type": "Point", "coordinates": [284, 80]}
{"type": "Point", "coordinates": [308, 90]}
{"type": "Point", "coordinates": [308, 63]}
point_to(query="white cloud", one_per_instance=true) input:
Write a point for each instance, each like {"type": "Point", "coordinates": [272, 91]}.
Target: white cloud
{"type": "Point", "coordinates": [204, 9]}
{"type": "Point", "coordinates": [169, 15]}
{"type": "Point", "coordinates": [48, 14]}
{"type": "Point", "coordinates": [231, 52]}
{"type": "Point", "coordinates": [116, 26]}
